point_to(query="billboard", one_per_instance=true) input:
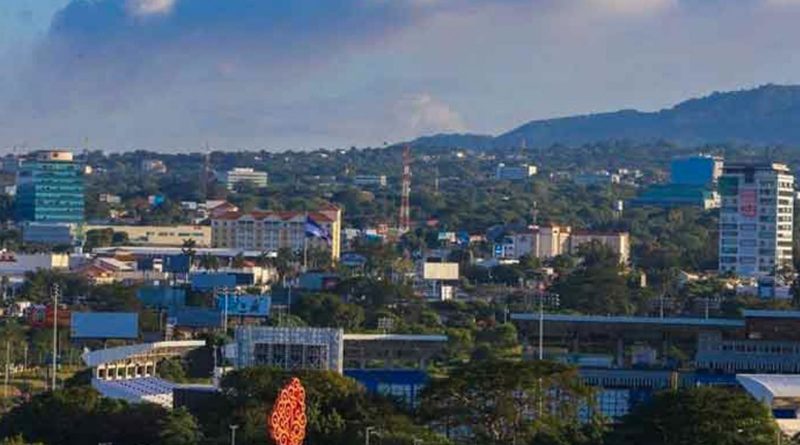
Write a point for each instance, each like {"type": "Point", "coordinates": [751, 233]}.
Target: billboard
{"type": "Point", "coordinates": [245, 305]}
{"type": "Point", "coordinates": [748, 203]}
{"type": "Point", "coordinates": [208, 281]}
{"type": "Point", "coordinates": [162, 297]}
{"type": "Point", "coordinates": [195, 317]}
{"type": "Point", "coordinates": [101, 325]}
{"type": "Point", "coordinates": [440, 271]}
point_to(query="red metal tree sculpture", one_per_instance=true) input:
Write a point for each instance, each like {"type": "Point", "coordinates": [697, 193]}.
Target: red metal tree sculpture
{"type": "Point", "coordinates": [287, 421]}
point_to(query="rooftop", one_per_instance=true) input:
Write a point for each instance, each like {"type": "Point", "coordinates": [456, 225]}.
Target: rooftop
{"type": "Point", "coordinates": [621, 319]}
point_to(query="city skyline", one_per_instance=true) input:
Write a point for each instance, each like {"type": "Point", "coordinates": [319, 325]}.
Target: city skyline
{"type": "Point", "coordinates": [175, 74]}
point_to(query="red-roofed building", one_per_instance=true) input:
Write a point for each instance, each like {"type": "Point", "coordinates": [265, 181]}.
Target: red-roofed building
{"type": "Point", "coordinates": [268, 231]}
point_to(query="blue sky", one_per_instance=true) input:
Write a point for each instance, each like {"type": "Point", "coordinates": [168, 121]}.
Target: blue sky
{"type": "Point", "coordinates": [300, 74]}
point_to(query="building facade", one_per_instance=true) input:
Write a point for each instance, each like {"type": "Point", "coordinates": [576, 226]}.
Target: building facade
{"type": "Point", "coordinates": [370, 181]}
{"type": "Point", "coordinates": [756, 219]}
{"type": "Point", "coordinates": [269, 231]}
{"type": "Point", "coordinates": [160, 235]}
{"type": "Point", "coordinates": [240, 175]}
{"type": "Point", "coordinates": [515, 173]}
{"type": "Point", "coordinates": [299, 348]}
{"type": "Point", "coordinates": [551, 241]}
{"type": "Point", "coordinates": [50, 188]}
{"type": "Point", "coordinates": [700, 170]}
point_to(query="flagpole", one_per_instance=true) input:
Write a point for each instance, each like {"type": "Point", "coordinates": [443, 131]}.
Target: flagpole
{"type": "Point", "coordinates": [305, 254]}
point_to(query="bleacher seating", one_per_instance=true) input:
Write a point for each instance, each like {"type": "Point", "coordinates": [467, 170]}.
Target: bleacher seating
{"type": "Point", "coordinates": [138, 390]}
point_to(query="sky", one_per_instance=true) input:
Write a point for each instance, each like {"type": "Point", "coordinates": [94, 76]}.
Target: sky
{"type": "Point", "coordinates": [175, 75]}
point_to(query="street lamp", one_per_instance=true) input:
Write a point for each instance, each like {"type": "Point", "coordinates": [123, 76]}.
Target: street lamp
{"type": "Point", "coordinates": [551, 300]}
{"type": "Point", "coordinates": [370, 430]}
{"type": "Point", "coordinates": [233, 433]}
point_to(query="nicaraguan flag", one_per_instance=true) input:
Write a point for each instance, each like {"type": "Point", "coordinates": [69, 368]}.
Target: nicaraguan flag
{"type": "Point", "coordinates": [315, 230]}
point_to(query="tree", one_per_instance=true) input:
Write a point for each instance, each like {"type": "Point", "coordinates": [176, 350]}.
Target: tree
{"type": "Point", "coordinates": [500, 341]}
{"type": "Point", "coordinates": [503, 401]}
{"type": "Point", "coordinates": [98, 238]}
{"type": "Point", "coordinates": [598, 285]}
{"type": "Point", "coordinates": [172, 370]}
{"type": "Point", "coordinates": [209, 262]}
{"type": "Point", "coordinates": [179, 427]}
{"type": "Point", "coordinates": [17, 440]}
{"type": "Point", "coordinates": [80, 415]}
{"type": "Point", "coordinates": [329, 310]}
{"type": "Point", "coordinates": [337, 408]}
{"type": "Point", "coordinates": [189, 250]}
{"type": "Point", "coordinates": [698, 416]}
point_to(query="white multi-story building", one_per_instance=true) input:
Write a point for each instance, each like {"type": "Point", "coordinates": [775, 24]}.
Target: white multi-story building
{"type": "Point", "coordinates": [269, 231]}
{"type": "Point", "coordinates": [370, 180]}
{"type": "Point", "coordinates": [515, 173]}
{"type": "Point", "coordinates": [756, 218]}
{"type": "Point", "coordinates": [239, 175]}
{"type": "Point", "coordinates": [552, 241]}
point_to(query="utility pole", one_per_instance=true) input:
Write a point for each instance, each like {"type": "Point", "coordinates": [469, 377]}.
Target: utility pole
{"type": "Point", "coordinates": [8, 365]}
{"type": "Point", "coordinates": [233, 433]}
{"type": "Point", "coordinates": [367, 432]}
{"type": "Point", "coordinates": [56, 296]}
{"type": "Point", "coordinates": [225, 311]}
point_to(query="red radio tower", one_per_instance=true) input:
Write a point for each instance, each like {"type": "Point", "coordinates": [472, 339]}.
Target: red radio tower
{"type": "Point", "coordinates": [405, 206]}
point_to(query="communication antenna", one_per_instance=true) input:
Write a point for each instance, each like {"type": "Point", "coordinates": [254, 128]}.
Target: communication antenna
{"type": "Point", "coordinates": [405, 206]}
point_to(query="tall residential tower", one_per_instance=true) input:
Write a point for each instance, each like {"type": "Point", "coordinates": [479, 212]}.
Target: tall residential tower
{"type": "Point", "coordinates": [755, 218]}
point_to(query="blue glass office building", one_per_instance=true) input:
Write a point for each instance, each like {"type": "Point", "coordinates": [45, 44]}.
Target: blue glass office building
{"type": "Point", "coordinates": [50, 188]}
{"type": "Point", "coordinates": [701, 170]}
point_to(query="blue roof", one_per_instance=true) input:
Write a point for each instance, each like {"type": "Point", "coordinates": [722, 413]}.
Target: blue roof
{"type": "Point", "coordinates": [621, 319]}
{"type": "Point", "coordinates": [101, 325]}
{"type": "Point", "coordinates": [756, 313]}
{"type": "Point", "coordinates": [196, 317]}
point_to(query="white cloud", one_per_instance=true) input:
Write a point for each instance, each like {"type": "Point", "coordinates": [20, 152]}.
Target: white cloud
{"type": "Point", "coordinates": [424, 113]}
{"type": "Point", "coordinates": [150, 7]}
{"type": "Point", "coordinates": [632, 7]}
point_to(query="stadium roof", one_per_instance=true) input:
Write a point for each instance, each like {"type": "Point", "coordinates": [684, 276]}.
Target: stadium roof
{"type": "Point", "coordinates": [755, 313]}
{"type": "Point", "coordinates": [601, 319]}
{"type": "Point", "coordinates": [110, 355]}
{"type": "Point", "coordinates": [395, 337]}
{"type": "Point", "coordinates": [768, 387]}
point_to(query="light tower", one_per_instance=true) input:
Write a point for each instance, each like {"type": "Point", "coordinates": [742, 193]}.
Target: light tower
{"type": "Point", "coordinates": [405, 206]}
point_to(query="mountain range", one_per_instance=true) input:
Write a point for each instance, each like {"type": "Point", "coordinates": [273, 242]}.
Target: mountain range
{"type": "Point", "coordinates": [767, 115]}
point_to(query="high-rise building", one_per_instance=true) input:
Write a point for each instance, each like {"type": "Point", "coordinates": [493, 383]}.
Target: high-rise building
{"type": "Point", "coordinates": [50, 188]}
{"type": "Point", "coordinates": [269, 231]}
{"type": "Point", "coordinates": [755, 218]}
{"type": "Point", "coordinates": [245, 175]}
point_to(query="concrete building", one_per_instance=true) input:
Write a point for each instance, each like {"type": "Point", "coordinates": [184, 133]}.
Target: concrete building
{"type": "Point", "coordinates": [49, 233]}
{"type": "Point", "coordinates": [272, 230]}
{"type": "Point", "coordinates": [551, 241]}
{"type": "Point", "coordinates": [692, 183]}
{"type": "Point", "coordinates": [300, 348]}
{"type": "Point", "coordinates": [161, 235]}
{"type": "Point", "coordinates": [154, 166]}
{"type": "Point", "coordinates": [515, 173]}
{"type": "Point", "coordinates": [370, 181]}
{"type": "Point", "coordinates": [18, 264]}
{"type": "Point", "coordinates": [50, 188]}
{"type": "Point", "coordinates": [756, 218]}
{"type": "Point", "coordinates": [240, 175]}
{"type": "Point", "coordinates": [677, 195]}
{"type": "Point", "coordinates": [599, 178]}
